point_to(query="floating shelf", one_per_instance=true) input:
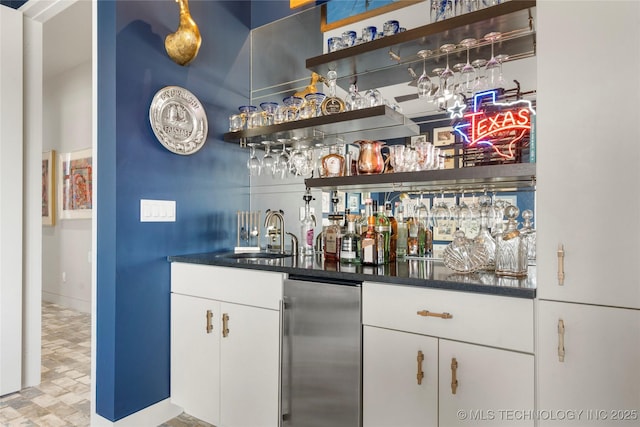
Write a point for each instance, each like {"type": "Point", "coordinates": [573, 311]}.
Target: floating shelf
{"type": "Point", "coordinates": [377, 123]}
{"type": "Point", "coordinates": [371, 64]}
{"type": "Point", "coordinates": [519, 176]}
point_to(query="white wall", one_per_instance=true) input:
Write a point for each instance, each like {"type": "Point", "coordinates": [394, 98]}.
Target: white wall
{"type": "Point", "coordinates": [66, 247]}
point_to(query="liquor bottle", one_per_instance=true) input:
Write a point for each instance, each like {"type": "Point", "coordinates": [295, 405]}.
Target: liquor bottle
{"type": "Point", "coordinates": [332, 104]}
{"type": "Point", "coordinates": [350, 246]}
{"type": "Point", "coordinates": [403, 232]}
{"type": "Point", "coordinates": [332, 163]}
{"type": "Point", "coordinates": [383, 226]}
{"type": "Point", "coordinates": [364, 216]}
{"type": "Point", "coordinates": [307, 226]}
{"type": "Point", "coordinates": [485, 239]}
{"type": "Point", "coordinates": [353, 100]}
{"type": "Point", "coordinates": [529, 233]}
{"type": "Point", "coordinates": [332, 233]}
{"type": "Point", "coordinates": [413, 228]}
{"type": "Point", "coordinates": [372, 244]}
{"type": "Point", "coordinates": [511, 247]}
{"type": "Point", "coordinates": [393, 237]}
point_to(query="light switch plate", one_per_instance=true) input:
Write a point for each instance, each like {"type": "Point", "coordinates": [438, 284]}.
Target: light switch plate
{"type": "Point", "coordinates": [157, 210]}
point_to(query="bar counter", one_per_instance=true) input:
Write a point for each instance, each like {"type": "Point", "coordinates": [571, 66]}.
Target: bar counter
{"type": "Point", "coordinates": [429, 273]}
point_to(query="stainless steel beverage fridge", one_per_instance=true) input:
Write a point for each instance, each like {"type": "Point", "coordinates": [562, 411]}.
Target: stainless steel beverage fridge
{"type": "Point", "coordinates": [321, 354]}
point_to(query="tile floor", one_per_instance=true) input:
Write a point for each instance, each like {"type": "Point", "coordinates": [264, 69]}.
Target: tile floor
{"type": "Point", "coordinates": [62, 398]}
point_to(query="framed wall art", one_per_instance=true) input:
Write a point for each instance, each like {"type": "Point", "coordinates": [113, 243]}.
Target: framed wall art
{"type": "Point", "coordinates": [338, 13]}
{"type": "Point", "coordinates": [48, 188]}
{"type": "Point", "coordinates": [443, 136]}
{"type": "Point", "coordinates": [75, 184]}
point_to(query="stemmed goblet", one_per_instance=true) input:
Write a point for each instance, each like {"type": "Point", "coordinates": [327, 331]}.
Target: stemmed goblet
{"type": "Point", "coordinates": [468, 71]}
{"type": "Point", "coordinates": [268, 162]}
{"type": "Point", "coordinates": [493, 64]}
{"type": "Point", "coordinates": [253, 164]}
{"type": "Point", "coordinates": [446, 78]}
{"type": "Point", "coordinates": [424, 82]}
{"type": "Point", "coordinates": [282, 162]}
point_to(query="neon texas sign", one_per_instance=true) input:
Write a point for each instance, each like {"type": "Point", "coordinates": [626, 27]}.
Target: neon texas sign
{"type": "Point", "coordinates": [479, 128]}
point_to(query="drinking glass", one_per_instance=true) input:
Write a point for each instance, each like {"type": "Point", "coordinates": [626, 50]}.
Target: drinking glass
{"type": "Point", "coordinates": [293, 104]}
{"type": "Point", "coordinates": [312, 102]}
{"type": "Point", "coordinates": [390, 27]}
{"type": "Point", "coordinates": [446, 78]}
{"type": "Point", "coordinates": [268, 162]}
{"type": "Point", "coordinates": [468, 71]}
{"type": "Point", "coordinates": [441, 212]}
{"type": "Point", "coordinates": [493, 64]}
{"type": "Point", "coordinates": [245, 111]}
{"type": "Point", "coordinates": [349, 38]}
{"type": "Point", "coordinates": [269, 109]}
{"type": "Point", "coordinates": [501, 82]}
{"type": "Point", "coordinates": [236, 122]}
{"type": "Point", "coordinates": [373, 98]}
{"type": "Point", "coordinates": [424, 82]}
{"type": "Point", "coordinates": [369, 33]}
{"type": "Point", "coordinates": [353, 100]}
{"type": "Point", "coordinates": [481, 79]}
{"type": "Point", "coordinates": [282, 162]}
{"type": "Point", "coordinates": [253, 164]}
{"type": "Point", "coordinates": [334, 44]}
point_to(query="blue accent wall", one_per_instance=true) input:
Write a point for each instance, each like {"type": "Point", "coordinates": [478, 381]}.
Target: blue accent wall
{"type": "Point", "coordinates": [133, 275]}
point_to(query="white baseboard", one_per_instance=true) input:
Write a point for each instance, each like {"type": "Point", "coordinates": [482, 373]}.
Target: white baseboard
{"type": "Point", "coordinates": [69, 302]}
{"type": "Point", "coordinates": [150, 416]}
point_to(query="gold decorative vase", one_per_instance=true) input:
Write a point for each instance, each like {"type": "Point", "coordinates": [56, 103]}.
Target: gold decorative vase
{"type": "Point", "coordinates": [183, 45]}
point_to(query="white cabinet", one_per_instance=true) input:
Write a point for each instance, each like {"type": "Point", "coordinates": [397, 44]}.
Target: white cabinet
{"type": "Point", "coordinates": [392, 394]}
{"type": "Point", "coordinates": [483, 386]}
{"type": "Point", "coordinates": [587, 172]}
{"type": "Point", "coordinates": [589, 360]}
{"type": "Point", "coordinates": [462, 329]}
{"type": "Point", "coordinates": [195, 356]}
{"type": "Point", "coordinates": [225, 328]}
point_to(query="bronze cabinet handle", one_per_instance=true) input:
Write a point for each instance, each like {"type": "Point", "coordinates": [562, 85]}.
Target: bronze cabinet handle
{"type": "Point", "coordinates": [225, 325]}
{"type": "Point", "coordinates": [209, 324]}
{"type": "Point", "coordinates": [560, 265]}
{"type": "Point", "coordinates": [454, 378]}
{"type": "Point", "coordinates": [560, 340]}
{"type": "Point", "coordinates": [427, 313]}
{"type": "Point", "coordinates": [420, 375]}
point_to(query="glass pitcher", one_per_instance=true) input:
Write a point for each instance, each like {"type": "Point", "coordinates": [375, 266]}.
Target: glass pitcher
{"type": "Point", "coordinates": [370, 160]}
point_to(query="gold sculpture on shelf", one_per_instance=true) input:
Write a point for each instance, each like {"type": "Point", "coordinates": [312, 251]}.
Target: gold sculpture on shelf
{"type": "Point", "coordinates": [183, 45]}
{"type": "Point", "coordinates": [311, 88]}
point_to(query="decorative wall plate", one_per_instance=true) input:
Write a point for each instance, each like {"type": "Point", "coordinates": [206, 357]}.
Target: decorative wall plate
{"type": "Point", "coordinates": [178, 120]}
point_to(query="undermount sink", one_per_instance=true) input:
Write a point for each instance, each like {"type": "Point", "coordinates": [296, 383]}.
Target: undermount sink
{"type": "Point", "coordinates": [254, 255]}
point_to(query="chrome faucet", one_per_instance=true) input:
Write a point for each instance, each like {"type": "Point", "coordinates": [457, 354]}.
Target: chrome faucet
{"type": "Point", "coordinates": [274, 223]}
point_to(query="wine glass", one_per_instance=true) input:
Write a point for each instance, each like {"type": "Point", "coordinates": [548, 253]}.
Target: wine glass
{"type": "Point", "coordinates": [424, 82]}
{"type": "Point", "coordinates": [446, 78]}
{"type": "Point", "coordinates": [253, 164]}
{"type": "Point", "coordinates": [268, 162]}
{"type": "Point", "coordinates": [468, 71]}
{"type": "Point", "coordinates": [441, 212]}
{"type": "Point", "coordinates": [493, 64]}
{"type": "Point", "coordinates": [481, 80]}
{"type": "Point", "coordinates": [282, 162]}
{"type": "Point", "coordinates": [435, 95]}
{"type": "Point", "coordinates": [501, 82]}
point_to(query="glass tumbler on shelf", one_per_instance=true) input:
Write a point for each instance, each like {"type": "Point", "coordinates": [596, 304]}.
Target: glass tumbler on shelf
{"type": "Point", "coordinates": [292, 107]}
{"type": "Point", "coordinates": [349, 38]}
{"type": "Point", "coordinates": [390, 27]}
{"type": "Point", "coordinates": [269, 110]}
{"type": "Point", "coordinates": [313, 102]}
{"type": "Point", "coordinates": [369, 33]}
{"type": "Point", "coordinates": [353, 100]}
{"type": "Point", "coordinates": [245, 111]}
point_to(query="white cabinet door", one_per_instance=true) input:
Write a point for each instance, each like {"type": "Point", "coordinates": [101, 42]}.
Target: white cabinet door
{"type": "Point", "coordinates": [494, 387]}
{"type": "Point", "coordinates": [250, 367]}
{"type": "Point", "coordinates": [600, 373]}
{"type": "Point", "coordinates": [195, 356]}
{"type": "Point", "coordinates": [587, 166]}
{"type": "Point", "coordinates": [391, 393]}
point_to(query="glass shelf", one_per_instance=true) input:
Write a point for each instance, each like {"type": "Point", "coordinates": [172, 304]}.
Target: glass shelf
{"type": "Point", "coordinates": [377, 123]}
{"type": "Point", "coordinates": [514, 176]}
{"type": "Point", "coordinates": [374, 64]}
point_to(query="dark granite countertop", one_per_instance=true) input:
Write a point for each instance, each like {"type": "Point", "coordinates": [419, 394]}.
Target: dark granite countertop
{"type": "Point", "coordinates": [428, 273]}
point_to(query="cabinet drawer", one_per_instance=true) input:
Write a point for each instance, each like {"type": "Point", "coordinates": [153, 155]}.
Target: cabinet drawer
{"type": "Point", "coordinates": [237, 285]}
{"type": "Point", "coordinates": [483, 319]}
